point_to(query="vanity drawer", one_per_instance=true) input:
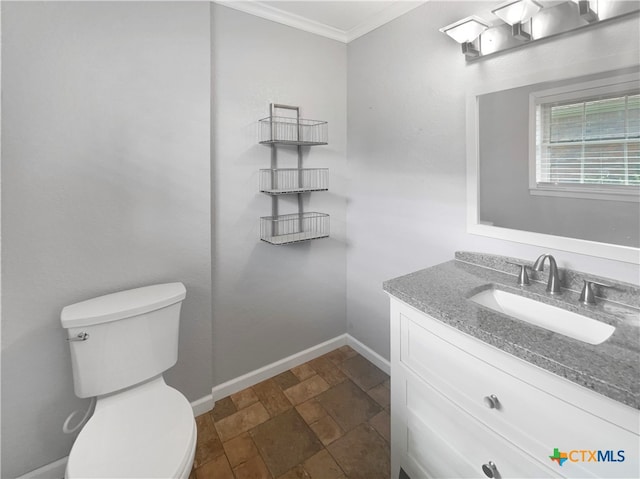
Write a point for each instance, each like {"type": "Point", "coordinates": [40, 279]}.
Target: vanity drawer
{"type": "Point", "coordinates": [444, 441]}
{"type": "Point", "coordinates": [525, 415]}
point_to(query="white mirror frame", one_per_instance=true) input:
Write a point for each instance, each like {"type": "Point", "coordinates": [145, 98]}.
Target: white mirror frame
{"type": "Point", "coordinates": [626, 254]}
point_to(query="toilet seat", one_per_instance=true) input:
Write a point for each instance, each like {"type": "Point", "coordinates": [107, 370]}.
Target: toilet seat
{"type": "Point", "coordinates": [144, 432]}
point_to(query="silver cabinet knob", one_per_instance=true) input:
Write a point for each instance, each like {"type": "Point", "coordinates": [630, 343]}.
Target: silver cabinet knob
{"type": "Point", "coordinates": [490, 470]}
{"type": "Point", "coordinates": [491, 401]}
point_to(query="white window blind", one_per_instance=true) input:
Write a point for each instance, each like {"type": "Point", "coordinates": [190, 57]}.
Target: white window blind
{"type": "Point", "coordinates": [588, 139]}
{"type": "Point", "coordinates": [591, 142]}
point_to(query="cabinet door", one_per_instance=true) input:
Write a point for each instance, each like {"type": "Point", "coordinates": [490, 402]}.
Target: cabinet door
{"type": "Point", "coordinates": [527, 416]}
{"type": "Point", "coordinates": [443, 441]}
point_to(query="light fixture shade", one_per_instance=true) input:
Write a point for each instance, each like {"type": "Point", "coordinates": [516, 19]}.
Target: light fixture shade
{"type": "Point", "coordinates": [516, 11]}
{"type": "Point", "coordinates": [587, 12]}
{"type": "Point", "coordinates": [465, 30]}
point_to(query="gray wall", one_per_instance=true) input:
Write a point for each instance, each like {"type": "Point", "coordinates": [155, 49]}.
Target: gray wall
{"type": "Point", "coordinates": [505, 200]}
{"type": "Point", "coordinates": [407, 87]}
{"type": "Point", "coordinates": [109, 113]}
{"type": "Point", "coordinates": [273, 301]}
{"type": "Point", "coordinates": [105, 186]}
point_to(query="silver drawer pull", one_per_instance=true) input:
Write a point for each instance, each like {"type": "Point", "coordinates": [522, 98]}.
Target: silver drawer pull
{"type": "Point", "coordinates": [79, 337]}
{"type": "Point", "coordinates": [491, 401]}
{"type": "Point", "coordinates": [490, 470]}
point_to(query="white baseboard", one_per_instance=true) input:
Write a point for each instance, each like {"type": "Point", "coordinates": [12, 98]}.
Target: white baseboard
{"type": "Point", "coordinates": [202, 405]}
{"type": "Point", "coordinates": [55, 470]}
{"type": "Point", "coordinates": [254, 377]}
{"type": "Point", "coordinates": [369, 354]}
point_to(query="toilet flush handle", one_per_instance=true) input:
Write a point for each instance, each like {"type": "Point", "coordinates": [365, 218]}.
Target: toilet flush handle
{"type": "Point", "coordinates": [79, 337]}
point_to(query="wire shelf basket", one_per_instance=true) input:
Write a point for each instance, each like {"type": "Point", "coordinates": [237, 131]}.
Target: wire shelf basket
{"type": "Point", "coordinates": [293, 131]}
{"type": "Point", "coordinates": [286, 229]}
{"type": "Point", "coordinates": [282, 181]}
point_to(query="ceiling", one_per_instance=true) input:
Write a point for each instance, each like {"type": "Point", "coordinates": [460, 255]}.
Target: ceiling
{"type": "Point", "coordinates": [340, 20]}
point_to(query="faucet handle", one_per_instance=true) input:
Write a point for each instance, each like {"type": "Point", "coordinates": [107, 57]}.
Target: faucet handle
{"type": "Point", "coordinates": [587, 296]}
{"type": "Point", "coordinates": [523, 277]}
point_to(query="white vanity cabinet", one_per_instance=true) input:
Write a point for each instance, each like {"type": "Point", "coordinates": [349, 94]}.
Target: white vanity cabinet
{"type": "Point", "coordinates": [461, 408]}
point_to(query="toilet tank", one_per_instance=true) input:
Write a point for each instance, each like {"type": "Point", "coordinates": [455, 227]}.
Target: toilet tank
{"type": "Point", "coordinates": [124, 338]}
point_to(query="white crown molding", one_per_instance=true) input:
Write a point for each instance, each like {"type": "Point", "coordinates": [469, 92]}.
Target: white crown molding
{"type": "Point", "coordinates": [385, 16]}
{"type": "Point", "coordinates": [268, 12]}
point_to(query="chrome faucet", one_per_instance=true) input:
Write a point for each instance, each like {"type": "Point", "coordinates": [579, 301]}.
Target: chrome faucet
{"type": "Point", "coordinates": [553, 285]}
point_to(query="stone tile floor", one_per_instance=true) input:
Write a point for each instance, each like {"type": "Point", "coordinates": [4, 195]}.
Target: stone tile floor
{"type": "Point", "coordinates": [326, 419]}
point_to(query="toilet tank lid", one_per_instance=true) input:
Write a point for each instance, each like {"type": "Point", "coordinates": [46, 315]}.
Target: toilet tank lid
{"type": "Point", "coordinates": [123, 304]}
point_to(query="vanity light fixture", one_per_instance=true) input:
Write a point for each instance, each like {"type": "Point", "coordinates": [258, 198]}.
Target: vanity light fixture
{"type": "Point", "coordinates": [586, 12]}
{"type": "Point", "coordinates": [517, 21]}
{"type": "Point", "coordinates": [516, 13]}
{"type": "Point", "coordinates": [465, 32]}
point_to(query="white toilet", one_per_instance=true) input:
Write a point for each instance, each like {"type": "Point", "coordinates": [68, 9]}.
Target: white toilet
{"type": "Point", "coordinates": [121, 344]}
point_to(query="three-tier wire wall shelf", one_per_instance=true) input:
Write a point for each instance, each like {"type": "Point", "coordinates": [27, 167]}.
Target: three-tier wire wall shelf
{"type": "Point", "coordinates": [282, 130]}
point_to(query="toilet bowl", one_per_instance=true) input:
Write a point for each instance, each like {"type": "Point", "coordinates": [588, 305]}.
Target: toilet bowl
{"type": "Point", "coordinates": [120, 346]}
{"type": "Point", "coordinates": [145, 432]}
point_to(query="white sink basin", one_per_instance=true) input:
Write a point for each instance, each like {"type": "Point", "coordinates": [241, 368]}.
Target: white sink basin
{"type": "Point", "coordinates": [555, 319]}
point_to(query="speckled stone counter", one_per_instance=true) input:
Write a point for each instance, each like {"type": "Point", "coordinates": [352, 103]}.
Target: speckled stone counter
{"type": "Point", "coordinates": [611, 368]}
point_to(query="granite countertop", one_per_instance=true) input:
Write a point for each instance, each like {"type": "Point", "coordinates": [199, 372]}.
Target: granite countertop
{"type": "Point", "coordinates": [611, 368]}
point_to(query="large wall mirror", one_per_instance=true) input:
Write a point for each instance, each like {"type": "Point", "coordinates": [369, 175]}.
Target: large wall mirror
{"type": "Point", "coordinates": [556, 162]}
